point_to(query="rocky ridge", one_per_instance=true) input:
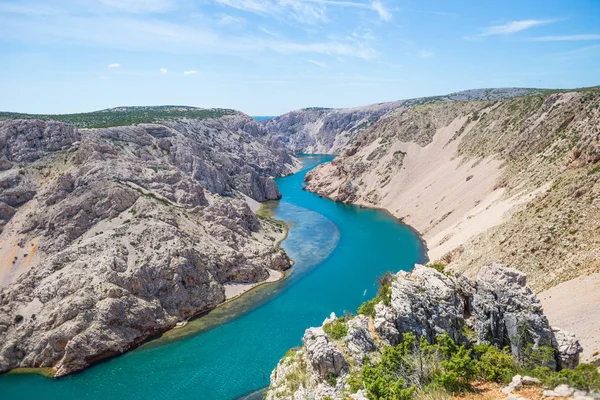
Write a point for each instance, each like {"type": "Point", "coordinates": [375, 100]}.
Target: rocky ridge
{"type": "Point", "coordinates": [496, 308]}
{"type": "Point", "coordinates": [328, 131]}
{"type": "Point", "coordinates": [112, 235]}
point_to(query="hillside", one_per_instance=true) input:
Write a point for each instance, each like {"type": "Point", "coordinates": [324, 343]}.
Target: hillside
{"type": "Point", "coordinates": [121, 116]}
{"type": "Point", "coordinates": [326, 131]}
{"type": "Point", "coordinates": [513, 181]}
{"type": "Point", "coordinates": [113, 235]}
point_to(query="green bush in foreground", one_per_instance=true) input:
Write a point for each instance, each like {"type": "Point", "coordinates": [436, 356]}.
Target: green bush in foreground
{"type": "Point", "coordinates": [445, 367]}
{"type": "Point", "coordinates": [583, 377]}
{"type": "Point", "coordinates": [336, 329]}
{"type": "Point", "coordinates": [416, 365]}
{"type": "Point", "coordinates": [494, 365]}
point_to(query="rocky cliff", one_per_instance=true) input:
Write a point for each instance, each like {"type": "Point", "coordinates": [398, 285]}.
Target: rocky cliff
{"type": "Point", "coordinates": [327, 131]}
{"type": "Point", "coordinates": [112, 235]}
{"type": "Point", "coordinates": [515, 181]}
{"type": "Point", "coordinates": [340, 359]}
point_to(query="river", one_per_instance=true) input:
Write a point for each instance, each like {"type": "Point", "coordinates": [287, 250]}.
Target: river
{"type": "Point", "coordinates": [339, 251]}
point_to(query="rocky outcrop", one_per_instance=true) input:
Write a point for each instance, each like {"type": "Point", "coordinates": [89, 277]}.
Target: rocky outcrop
{"type": "Point", "coordinates": [567, 348]}
{"type": "Point", "coordinates": [497, 307]}
{"type": "Point", "coordinates": [505, 312]}
{"type": "Point", "coordinates": [113, 235]}
{"type": "Point", "coordinates": [324, 357]}
{"type": "Point", "coordinates": [359, 339]}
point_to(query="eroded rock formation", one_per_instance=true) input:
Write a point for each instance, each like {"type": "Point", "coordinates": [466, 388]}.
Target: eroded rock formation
{"type": "Point", "coordinates": [113, 235]}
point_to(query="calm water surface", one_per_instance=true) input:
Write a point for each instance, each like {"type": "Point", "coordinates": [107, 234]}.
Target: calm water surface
{"type": "Point", "coordinates": [339, 251]}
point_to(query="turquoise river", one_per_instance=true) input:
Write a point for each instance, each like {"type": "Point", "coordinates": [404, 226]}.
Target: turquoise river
{"type": "Point", "coordinates": [339, 251]}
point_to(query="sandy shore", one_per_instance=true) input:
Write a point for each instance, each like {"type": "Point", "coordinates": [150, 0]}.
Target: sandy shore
{"type": "Point", "coordinates": [236, 289]}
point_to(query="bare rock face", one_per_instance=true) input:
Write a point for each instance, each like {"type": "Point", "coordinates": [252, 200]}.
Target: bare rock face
{"type": "Point", "coordinates": [567, 348]}
{"type": "Point", "coordinates": [427, 303]}
{"type": "Point", "coordinates": [120, 233]}
{"type": "Point", "coordinates": [324, 357]}
{"type": "Point", "coordinates": [506, 312]}
{"type": "Point", "coordinates": [24, 140]}
{"type": "Point", "coordinates": [359, 339]}
{"type": "Point", "coordinates": [497, 306]}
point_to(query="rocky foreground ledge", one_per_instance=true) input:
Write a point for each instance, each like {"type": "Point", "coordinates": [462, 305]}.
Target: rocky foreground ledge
{"type": "Point", "coordinates": [496, 309]}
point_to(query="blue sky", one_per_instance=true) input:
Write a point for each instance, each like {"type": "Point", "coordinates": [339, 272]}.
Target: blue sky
{"type": "Point", "coordinates": [267, 57]}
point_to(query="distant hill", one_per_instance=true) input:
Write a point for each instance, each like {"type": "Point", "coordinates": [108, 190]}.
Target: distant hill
{"type": "Point", "coordinates": [328, 130]}
{"type": "Point", "coordinates": [123, 116]}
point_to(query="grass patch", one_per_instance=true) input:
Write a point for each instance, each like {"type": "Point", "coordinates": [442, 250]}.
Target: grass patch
{"type": "Point", "coordinates": [265, 213]}
{"type": "Point", "coordinates": [440, 267]}
{"type": "Point", "coordinates": [336, 329]}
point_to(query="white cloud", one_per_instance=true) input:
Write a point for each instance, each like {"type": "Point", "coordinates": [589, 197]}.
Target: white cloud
{"type": "Point", "coordinates": [384, 14]}
{"type": "Point", "coordinates": [114, 65]}
{"type": "Point", "coordinates": [140, 6]}
{"type": "Point", "coordinates": [268, 32]}
{"type": "Point", "coordinates": [164, 71]}
{"type": "Point", "coordinates": [190, 72]}
{"type": "Point", "coordinates": [565, 38]}
{"type": "Point", "coordinates": [512, 27]}
{"type": "Point", "coordinates": [306, 11]}
{"type": "Point", "coordinates": [317, 63]}
{"type": "Point", "coordinates": [149, 34]}
{"type": "Point", "coordinates": [229, 20]}
{"type": "Point", "coordinates": [426, 54]}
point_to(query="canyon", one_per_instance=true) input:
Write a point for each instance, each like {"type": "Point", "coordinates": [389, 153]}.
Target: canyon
{"type": "Point", "coordinates": [115, 232]}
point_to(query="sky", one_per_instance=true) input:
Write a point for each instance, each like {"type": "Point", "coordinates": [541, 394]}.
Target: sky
{"type": "Point", "coordinates": [268, 57]}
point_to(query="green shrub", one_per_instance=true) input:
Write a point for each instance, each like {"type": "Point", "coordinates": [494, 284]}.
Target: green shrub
{"type": "Point", "coordinates": [382, 385]}
{"type": "Point", "coordinates": [336, 329]}
{"type": "Point", "coordinates": [542, 356]}
{"type": "Point", "coordinates": [368, 307]}
{"type": "Point", "coordinates": [440, 267]}
{"type": "Point", "coordinates": [458, 365]}
{"type": "Point", "coordinates": [583, 377]}
{"type": "Point", "coordinates": [416, 364]}
{"type": "Point", "coordinates": [331, 380]}
{"type": "Point", "coordinates": [493, 364]}
{"type": "Point", "coordinates": [355, 383]}
{"type": "Point", "coordinates": [385, 294]}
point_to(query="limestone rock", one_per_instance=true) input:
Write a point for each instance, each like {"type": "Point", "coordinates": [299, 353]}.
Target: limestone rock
{"type": "Point", "coordinates": [559, 391]}
{"type": "Point", "coordinates": [506, 312]}
{"type": "Point", "coordinates": [567, 348]}
{"type": "Point", "coordinates": [359, 338]}
{"type": "Point", "coordinates": [516, 383]}
{"type": "Point", "coordinates": [324, 357]}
